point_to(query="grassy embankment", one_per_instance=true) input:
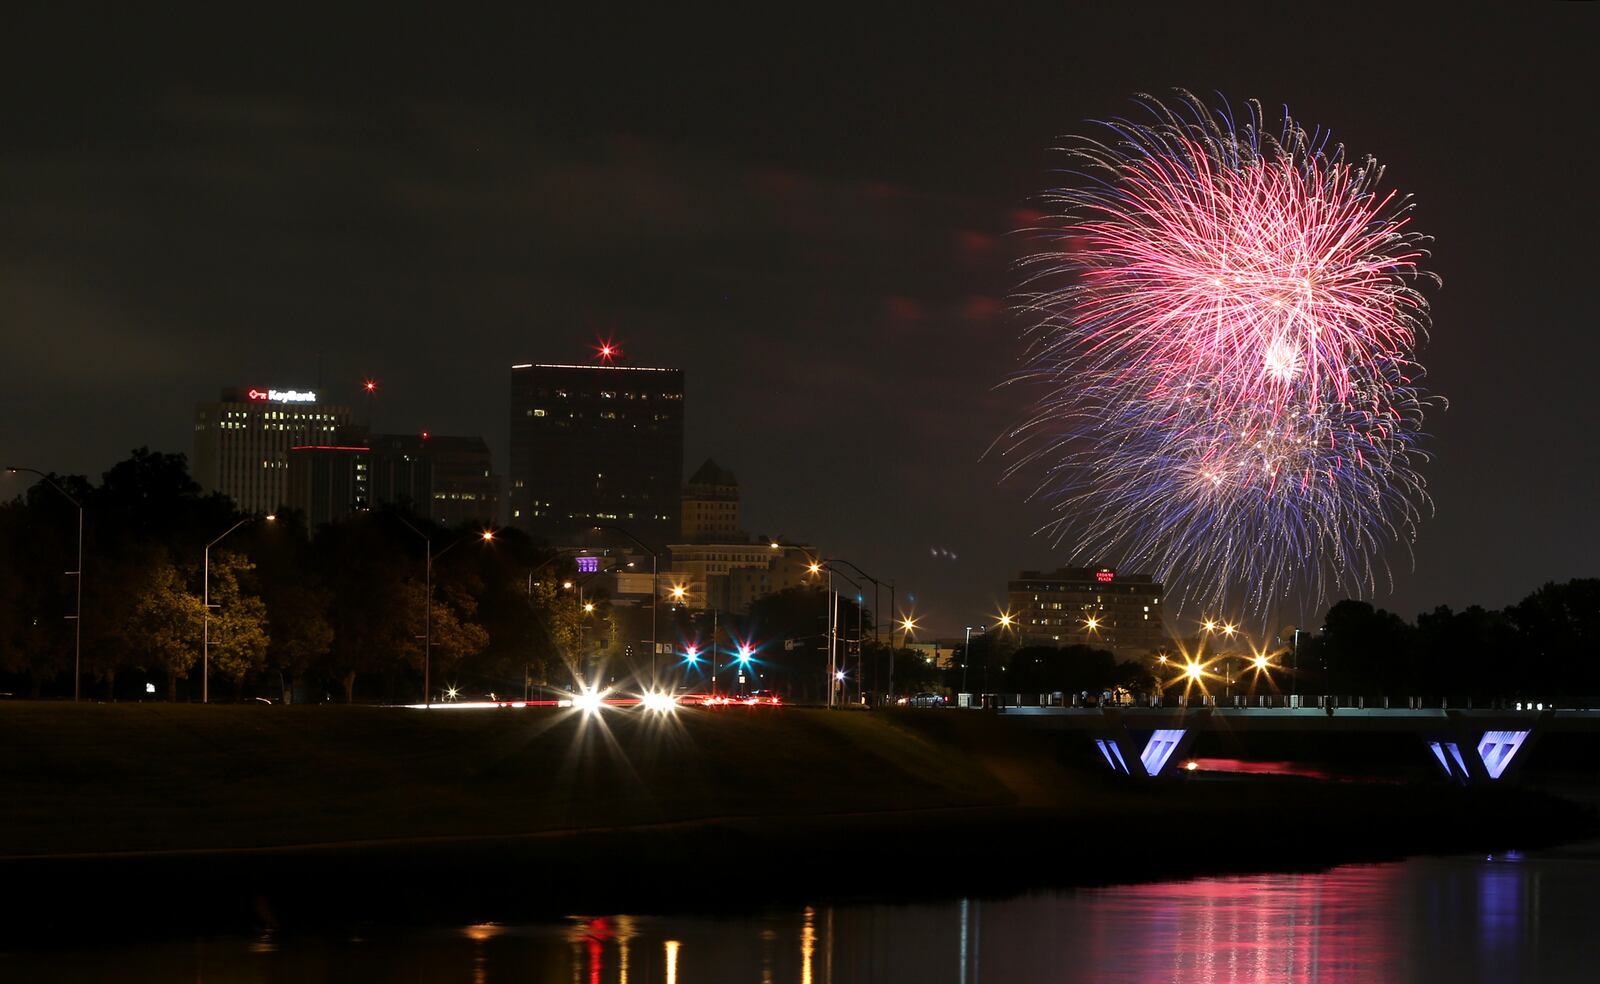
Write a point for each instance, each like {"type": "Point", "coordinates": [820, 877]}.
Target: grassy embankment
{"type": "Point", "coordinates": [388, 814]}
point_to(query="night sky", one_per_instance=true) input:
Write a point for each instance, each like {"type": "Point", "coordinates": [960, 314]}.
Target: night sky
{"type": "Point", "coordinates": [810, 216]}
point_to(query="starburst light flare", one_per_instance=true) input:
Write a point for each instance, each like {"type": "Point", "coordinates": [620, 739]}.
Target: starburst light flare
{"type": "Point", "coordinates": [1223, 322]}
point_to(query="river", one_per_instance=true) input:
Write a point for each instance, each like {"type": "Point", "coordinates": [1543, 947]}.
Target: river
{"type": "Point", "coordinates": [1501, 918]}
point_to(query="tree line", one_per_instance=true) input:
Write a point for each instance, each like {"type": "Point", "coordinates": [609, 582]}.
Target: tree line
{"type": "Point", "coordinates": [1546, 645]}
{"type": "Point", "coordinates": [336, 611]}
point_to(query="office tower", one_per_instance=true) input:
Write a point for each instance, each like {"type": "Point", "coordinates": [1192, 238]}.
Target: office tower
{"type": "Point", "coordinates": [242, 441]}
{"type": "Point", "coordinates": [596, 445]}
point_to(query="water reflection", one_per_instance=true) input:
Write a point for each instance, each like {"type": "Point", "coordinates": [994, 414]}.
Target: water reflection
{"type": "Point", "coordinates": [1459, 920]}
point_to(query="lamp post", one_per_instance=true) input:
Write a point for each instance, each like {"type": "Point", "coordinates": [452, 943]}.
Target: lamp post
{"type": "Point", "coordinates": [838, 672]}
{"type": "Point", "coordinates": [966, 657]}
{"type": "Point", "coordinates": [818, 567]}
{"type": "Point", "coordinates": [205, 617]}
{"type": "Point", "coordinates": [876, 587]}
{"type": "Point", "coordinates": [815, 567]}
{"type": "Point", "coordinates": [655, 594]}
{"type": "Point", "coordinates": [1003, 621]}
{"type": "Point", "coordinates": [77, 617]}
{"type": "Point", "coordinates": [427, 604]}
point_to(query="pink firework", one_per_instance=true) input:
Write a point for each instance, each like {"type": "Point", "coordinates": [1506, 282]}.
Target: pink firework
{"type": "Point", "coordinates": [1225, 323]}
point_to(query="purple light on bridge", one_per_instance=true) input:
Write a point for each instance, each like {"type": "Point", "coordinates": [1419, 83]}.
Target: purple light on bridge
{"type": "Point", "coordinates": [1160, 748]}
{"type": "Point", "coordinates": [1497, 748]}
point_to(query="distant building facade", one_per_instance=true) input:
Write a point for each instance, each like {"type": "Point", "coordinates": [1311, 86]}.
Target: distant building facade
{"type": "Point", "coordinates": [711, 506]}
{"type": "Point", "coordinates": [446, 479]}
{"type": "Point", "coordinates": [242, 441]}
{"type": "Point", "coordinates": [729, 576]}
{"type": "Point", "coordinates": [1091, 606]}
{"type": "Point", "coordinates": [462, 486]}
{"type": "Point", "coordinates": [596, 445]}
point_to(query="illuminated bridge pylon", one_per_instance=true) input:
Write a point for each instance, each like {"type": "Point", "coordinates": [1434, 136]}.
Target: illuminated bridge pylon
{"type": "Point", "coordinates": [1157, 750]}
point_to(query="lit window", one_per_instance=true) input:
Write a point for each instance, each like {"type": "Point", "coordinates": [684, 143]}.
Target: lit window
{"type": "Point", "coordinates": [538, 413]}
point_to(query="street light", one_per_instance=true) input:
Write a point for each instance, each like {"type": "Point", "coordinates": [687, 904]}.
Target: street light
{"type": "Point", "coordinates": [427, 605]}
{"type": "Point", "coordinates": [655, 593]}
{"type": "Point", "coordinates": [907, 626]}
{"type": "Point", "coordinates": [833, 627]}
{"type": "Point", "coordinates": [77, 617]}
{"type": "Point", "coordinates": [205, 618]}
{"type": "Point", "coordinates": [816, 566]}
{"type": "Point", "coordinates": [877, 586]}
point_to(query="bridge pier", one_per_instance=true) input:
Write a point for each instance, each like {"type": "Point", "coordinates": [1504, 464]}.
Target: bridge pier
{"type": "Point", "coordinates": [1148, 753]}
{"type": "Point", "coordinates": [1473, 755]}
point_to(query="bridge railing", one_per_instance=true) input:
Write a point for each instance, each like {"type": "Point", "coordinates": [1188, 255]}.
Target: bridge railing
{"type": "Point", "coordinates": [1276, 700]}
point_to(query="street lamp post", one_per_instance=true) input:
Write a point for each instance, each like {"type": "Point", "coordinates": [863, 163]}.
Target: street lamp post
{"type": "Point", "coordinates": [840, 664]}
{"type": "Point", "coordinates": [427, 604]}
{"type": "Point", "coordinates": [876, 587]}
{"type": "Point", "coordinates": [205, 617]}
{"type": "Point", "coordinates": [655, 594]}
{"type": "Point", "coordinates": [966, 657]}
{"type": "Point", "coordinates": [77, 617]}
{"type": "Point", "coordinates": [816, 567]}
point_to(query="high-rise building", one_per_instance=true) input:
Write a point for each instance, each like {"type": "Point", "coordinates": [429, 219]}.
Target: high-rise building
{"type": "Point", "coordinates": [447, 479]}
{"type": "Point", "coordinates": [596, 445]}
{"type": "Point", "coordinates": [328, 482]}
{"type": "Point", "coordinates": [463, 487]}
{"type": "Point", "coordinates": [1091, 606]}
{"type": "Point", "coordinates": [711, 505]}
{"type": "Point", "coordinates": [242, 441]}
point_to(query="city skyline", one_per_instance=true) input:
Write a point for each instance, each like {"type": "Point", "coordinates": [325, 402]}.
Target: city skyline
{"type": "Point", "coordinates": [839, 301]}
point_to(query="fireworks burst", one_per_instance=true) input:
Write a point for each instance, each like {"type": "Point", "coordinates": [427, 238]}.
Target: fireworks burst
{"type": "Point", "coordinates": [1223, 322]}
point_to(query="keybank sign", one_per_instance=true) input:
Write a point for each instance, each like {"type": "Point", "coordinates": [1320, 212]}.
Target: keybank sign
{"type": "Point", "coordinates": [282, 396]}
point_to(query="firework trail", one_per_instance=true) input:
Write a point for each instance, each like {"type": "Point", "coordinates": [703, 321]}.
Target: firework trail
{"type": "Point", "coordinates": [1222, 327]}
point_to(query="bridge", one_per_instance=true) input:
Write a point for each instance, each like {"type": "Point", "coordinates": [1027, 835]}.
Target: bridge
{"type": "Point", "coordinates": [1468, 746]}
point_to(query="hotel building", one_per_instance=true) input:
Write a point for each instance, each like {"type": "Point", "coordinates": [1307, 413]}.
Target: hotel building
{"type": "Point", "coordinates": [1090, 606]}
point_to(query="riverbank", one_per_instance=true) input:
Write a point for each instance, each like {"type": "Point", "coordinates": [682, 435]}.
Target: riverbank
{"type": "Point", "coordinates": [291, 817]}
